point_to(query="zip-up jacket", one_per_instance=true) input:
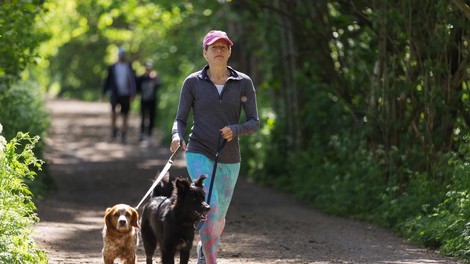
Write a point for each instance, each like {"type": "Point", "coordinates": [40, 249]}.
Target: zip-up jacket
{"type": "Point", "coordinates": [212, 112]}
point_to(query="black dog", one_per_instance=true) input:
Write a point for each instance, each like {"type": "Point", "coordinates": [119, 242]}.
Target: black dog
{"type": "Point", "coordinates": [170, 221]}
{"type": "Point", "coordinates": [165, 186]}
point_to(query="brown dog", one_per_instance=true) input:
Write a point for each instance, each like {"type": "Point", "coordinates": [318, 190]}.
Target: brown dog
{"type": "Point", "coordinates": [120, 234]}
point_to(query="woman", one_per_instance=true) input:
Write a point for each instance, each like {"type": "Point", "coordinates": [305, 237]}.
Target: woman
{"type": "Point", "coordinates": [147, 85]}
{"type": "Point", "coordinates": [216, 95]}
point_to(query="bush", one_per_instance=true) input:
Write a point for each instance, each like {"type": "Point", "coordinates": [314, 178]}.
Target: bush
{"type": "Point", "coordinates": [330, 176]}
{"type": "Point", "coordinates": [346, 178]}
{"type": "Point", "coordinates": [22, 109]}
{"type": "Point", "coordinates": [16, 207]}
{"type": "Point", "coordinates": [446, 226]}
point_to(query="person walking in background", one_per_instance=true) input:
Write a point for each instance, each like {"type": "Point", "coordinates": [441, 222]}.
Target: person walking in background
{"type": "Point", "coordinates": [120, 86]}
{"type": "Point", "coordinates": [216, 95]}
{"type": "Point", "coordinates": [147, 85]}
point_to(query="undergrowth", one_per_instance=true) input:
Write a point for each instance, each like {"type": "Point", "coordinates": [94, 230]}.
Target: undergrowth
{"type": "Point", "coordinates": [17, 210]}
{"type": "Point", "coordinates": [345, 178]}
{"type": "Point", "coordinates": [446, 226]}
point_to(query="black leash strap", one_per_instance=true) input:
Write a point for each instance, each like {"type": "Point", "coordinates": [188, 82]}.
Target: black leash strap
{"type": "Point", "coordinates": [219, 148]}
{"type": "Point", "coordinates": [214, 169]}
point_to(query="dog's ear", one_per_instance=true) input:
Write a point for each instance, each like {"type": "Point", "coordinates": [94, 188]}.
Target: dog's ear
{"type": "Point", "coordinates": [198, 182]}
{"type": "Point", "coordinates": [107, 217]}
{"type": "Point", "coordinates": [166, 178]}
{"type": "Point", "coordinates": [134, 218]}
{"type": "Point", "coordinates": [182, 184]}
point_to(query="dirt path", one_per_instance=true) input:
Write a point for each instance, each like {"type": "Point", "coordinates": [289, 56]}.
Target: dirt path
{"type": "Point", "coordinates": [263, 225]}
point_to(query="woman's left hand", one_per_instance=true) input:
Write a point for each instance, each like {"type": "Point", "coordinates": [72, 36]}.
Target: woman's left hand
{"type": "Point", "coordinates": [227, 133]}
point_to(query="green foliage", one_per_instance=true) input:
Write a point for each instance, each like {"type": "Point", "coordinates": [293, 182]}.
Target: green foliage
{"type": "Point", "coordinates": [85, 36]}
{"type": "Point", "coordinates": [17, 41]}
{"type": "Point", "coordinates": [445, 225]}
{"type": "Point", "coordinates": [334, 179]}
{"type": "Point", "coordinates": [23, 109]}
{"type": "Point", "coordinates": [367, 108]}
{"type": "Point", "coordinates": [17, 216]}
{"type": "Point", "coordinates": [254, 148]}
{"type": "Point", "coordinates": [348, 182]}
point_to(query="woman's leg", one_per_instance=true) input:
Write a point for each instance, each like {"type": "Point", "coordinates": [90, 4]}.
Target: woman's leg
{"type": "Point", "coordinates": [224, 185]}
{"type": "Point", "coordinates": [152, 108]}
{"type": "Point", "coordinates": [142, 119]}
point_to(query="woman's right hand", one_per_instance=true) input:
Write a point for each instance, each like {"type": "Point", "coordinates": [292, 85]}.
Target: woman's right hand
{"type": "Point", "coordinates": [175, 143]}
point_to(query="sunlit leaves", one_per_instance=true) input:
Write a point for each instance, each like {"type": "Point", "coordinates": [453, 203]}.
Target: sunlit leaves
{"type": "Point", "coordinates": [105, 21]}
{"type": "Point", "coordinates": [18, 40]}
{"type": "Point", "coordinates": [16, 207]}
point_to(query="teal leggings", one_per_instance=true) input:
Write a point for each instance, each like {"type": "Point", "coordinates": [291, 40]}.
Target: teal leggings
{"type": "Point", "coordinates": [225, 180]}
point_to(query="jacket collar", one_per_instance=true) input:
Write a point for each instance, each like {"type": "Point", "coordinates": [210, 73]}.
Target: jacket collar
{"type": "Point", "coordinates": [233, 73]}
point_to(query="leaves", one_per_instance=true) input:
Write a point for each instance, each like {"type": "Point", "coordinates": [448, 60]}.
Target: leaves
{"type": "Point", "coordinates": [16, 207]}
{"type": "Point", "coordinates": [17, 39]}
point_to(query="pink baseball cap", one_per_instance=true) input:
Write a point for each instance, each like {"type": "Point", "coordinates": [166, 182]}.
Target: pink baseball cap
{"type": "Point", "coordinates": [215, 35]}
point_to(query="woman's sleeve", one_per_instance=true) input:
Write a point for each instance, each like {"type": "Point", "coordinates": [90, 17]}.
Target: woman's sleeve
{"type": "Point", "coordinates": [184, 108]}
{"type": "Point", "coordinates": [251, 111]}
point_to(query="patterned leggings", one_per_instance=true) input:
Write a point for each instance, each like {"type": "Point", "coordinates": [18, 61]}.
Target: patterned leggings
{"type": "Point", "coordinates": [225, 180]}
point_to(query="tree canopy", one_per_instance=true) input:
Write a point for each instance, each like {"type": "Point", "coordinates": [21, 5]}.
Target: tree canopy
{"type": "Point", "coordinates": [18, 42]}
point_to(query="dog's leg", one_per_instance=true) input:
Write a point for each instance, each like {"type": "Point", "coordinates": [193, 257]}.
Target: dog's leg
{"type": "Point", "coordinates": [149, 240]}
{"type": "Point", "coordinates": [130, 260]}
{"type": "Point", "coordinates": [108, 260]}
{"type": "Point", "coordinates": [184, 256]}
{"type": "Point", "coordinates": [168, 257]}
{"type": "Point", "coordinates": [149, 246]}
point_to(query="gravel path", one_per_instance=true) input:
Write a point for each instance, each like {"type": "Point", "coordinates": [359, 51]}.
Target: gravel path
{"type": "Point", "coordinates": [263, 225]}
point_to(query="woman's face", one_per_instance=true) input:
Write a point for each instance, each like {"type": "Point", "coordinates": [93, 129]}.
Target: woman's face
{"type": "Point", "coordinates": [218, 53]}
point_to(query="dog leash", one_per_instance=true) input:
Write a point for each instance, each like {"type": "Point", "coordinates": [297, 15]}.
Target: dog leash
{"type": "Point", "coordinates": [214, 169]}
{"type": "Point", "coordinates": [160, 177]}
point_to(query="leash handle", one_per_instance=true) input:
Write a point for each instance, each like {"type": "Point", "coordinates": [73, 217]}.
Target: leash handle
{"type": "Point", "coordinates": [172, 157]}
{"type": "Point", "coordinates": [214, 169]}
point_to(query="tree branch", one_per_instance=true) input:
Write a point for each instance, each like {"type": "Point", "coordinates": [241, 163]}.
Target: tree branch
{"type": "Point", "coordinates": [463, 6]}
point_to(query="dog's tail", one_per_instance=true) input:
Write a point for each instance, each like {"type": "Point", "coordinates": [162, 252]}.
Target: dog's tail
{"type": "Point", "coordinates": [164, 187]}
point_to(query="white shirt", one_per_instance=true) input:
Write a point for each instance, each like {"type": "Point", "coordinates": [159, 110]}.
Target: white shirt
{"type": "Point", "coordinates": [219, 88]}
{"type": "Point", "coordinates": [122, 75]}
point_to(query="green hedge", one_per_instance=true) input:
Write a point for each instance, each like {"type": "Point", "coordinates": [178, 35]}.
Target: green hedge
{"type": "Point", "coordinates": [345, 178]}
{"type": "Point", "coordinates": [17, 163]}
{"type": "Point", "coordinates": [23, 109]}
{"type": "Point", "coordinates": [21, 170]}
{"type": "Point", "coordinates": [446, 225]}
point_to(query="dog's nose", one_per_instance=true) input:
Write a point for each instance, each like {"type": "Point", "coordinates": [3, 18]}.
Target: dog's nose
{"type": "Point", "coordinates": [122, 222]}
{"type": "Point", "coordinates": [206, 206]}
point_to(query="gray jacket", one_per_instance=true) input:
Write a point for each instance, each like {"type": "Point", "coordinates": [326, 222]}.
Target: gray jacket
{"type": "Point", "coordinates": [212, 112]}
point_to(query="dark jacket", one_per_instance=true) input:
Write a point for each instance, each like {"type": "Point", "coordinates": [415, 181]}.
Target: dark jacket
{"type": "Point", "coordinates": [212, 112]}
{"type": "Point", "coordinates": [147, 87]}
{"type": "Point", "coordinates": [110, 86]}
